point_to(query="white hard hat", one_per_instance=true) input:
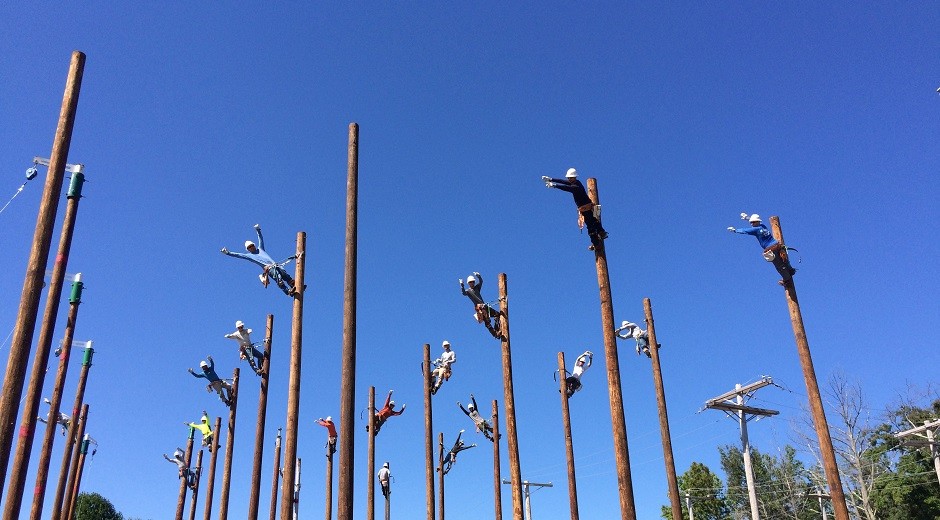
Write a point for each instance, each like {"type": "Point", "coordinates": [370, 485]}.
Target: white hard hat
{"type": "Point", "coordinates": [471, 278]}
{"type": "Point", "coordinates": [203, 364]}
{"type": "Point", "coordinates": [471, 407]}
{"type": "Point", "coordinates": [572, 173]}
{"type": "Point", "coordinates": [328, 418]}
{"type": "Point", "coordinates": [445, 344]}
{"type": "Point", "coordinates": [239, 323]}
{"type": "Point", "coordinates": [754, 218]}
{"type": "Point", "coordinates": [249, 244]}
{"type": "Point", "coordinates": [385, 465]}
{"type": "Point", "coordinates": [624, 324]}
{"type": "Point", "coordinates": [391, 403]}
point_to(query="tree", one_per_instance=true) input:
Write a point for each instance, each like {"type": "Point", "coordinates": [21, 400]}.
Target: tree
{"type": "Point", "coordinates": [92, 506]}
{"type": "Point", "coordinates": [782, 484]}
{"type": "Point", "coordinates": [705, 489]}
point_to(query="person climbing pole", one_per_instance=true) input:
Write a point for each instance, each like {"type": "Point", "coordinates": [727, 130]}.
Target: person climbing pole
{"type": "Point", "coordinates": [774, 251]}
{"type": "Point", "coordinates": [62, 420]}
{"type": "Point", "coordinates": [388, 410]}
{"type": "Point", "coordinates": [629, 330]}
{"type": "Point", "coordinates": [442, 370]}
{"type": "Point", "coordinates": [270, 269]}
{"type": "Point", "coordinates": [451, 458]}
{"type": "Point", "coordinates": [482, 311]}
{"type": "Point", "coordinates": [573, 381]}
{"type": "Point", "coordinates": [331, 434]}
{"type": "Point", "coordinates": [246, 349]}
{"type": "Point", "coordinates": [221, 387]}
{"type": "Point", "coordinates": [481, 424]}
{"type": "Point", "coordinates": [182, 468]}
{"type": "Point", "coordinates": [384, 476]}
{"type": "Point", "coordinates": [588, 212]}
{"type": "Point", "coordinates": [204, 429]}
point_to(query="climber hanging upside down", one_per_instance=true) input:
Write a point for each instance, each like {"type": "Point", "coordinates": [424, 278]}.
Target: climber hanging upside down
{"type": "Point", "coordinates": [63, 420]}
{"type": "Point", "coordinates": [573, 382]}
{"type": "Point", "coordinates": [482, 311]}
{"type": "Point", "coordinates": [270, 269]}
{"type": "Point", "coordinates": [246, 349]}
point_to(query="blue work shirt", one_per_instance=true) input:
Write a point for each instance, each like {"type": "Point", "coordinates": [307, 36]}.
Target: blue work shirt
{"type": "Point", "coordinates": [764, 236]}
{"type": "Point", "coordinates": [208, 373]}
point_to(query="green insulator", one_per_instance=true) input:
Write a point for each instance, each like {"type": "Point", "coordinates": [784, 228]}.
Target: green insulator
{"type": "Point", "coordinates": [76, 295]}
{"type": "Point", "coordinates": [84, 450]}
{"type": "Point", "coordinates": [89, 352]}
{"type": "Point", "coordinates": [75, 185]}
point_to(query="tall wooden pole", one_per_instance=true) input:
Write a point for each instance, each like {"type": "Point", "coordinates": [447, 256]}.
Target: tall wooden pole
{"type": "Point", "coordinates": [497, 493]}
{"type": "Point", "coordinates": [508, 396]}
{"type": "Point", "coordinates": [440, 479]}
{"type": "Point", "coordinates": [344, 503]}
{"type": "Point", "coordinates": [73, 436]}
{"type": "Point", "coordinates": [428, 433]}
{"type": "Point", "coordinates": [195, 498]}
{"type": "Point", "coordinates": [181, 499]}
{"type": "Point", "coordinates": [277, 475]}
{"type": "Point", "coordinates": [210, 485]}
{"type": "Point", "coordinates": [826, 450]}
{"type": "Point", "coordinates": [73, 466]}
{"type": "Point", "coordinates": [255, 498]}
{"type": "Point", "coordinates": [24, 445]}
{"type": "Point", "coordinates": [36, 266]}
{"type": "Point", "coordinates": [614, 390]}
{"type": "Point", "coordinates": [569, 445]}
{"type": "Point", "coordinates": [671, 481]}
{"type": "Point", "coordinates": [328, 494]}
{"type": "Point", "coordinates": [229, 450]}
{"type": "Point", "coordinates": [370, 466]}
{"type": "Point", "coordinates": [80, 464]}
{"type": "Point", "coordinates": [55, 403]}
{"type": "Point", "coordinates": [293, 385]}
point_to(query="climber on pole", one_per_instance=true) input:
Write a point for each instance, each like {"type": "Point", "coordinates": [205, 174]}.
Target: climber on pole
{"type": "Point", "coordinates": [588, 212]}
{"type": "Point", "coordinates": [270, 269]}
{"type": "Point", "coordinates": [384, 476]}
{"type": "Point", "coordinates": [573, 382]}
{"type": "Point", "coordinates": [629, 330]}
{"type": "Point", "coordinates": [183, 471]}
{"type": "Point", "coordinates": [63, 420]}
{"type": "Point", "coordinates": [471, 411]}
{"type": "Point", "coordinates": [246, 349]}
{"type": "Point", "coordinates": [221, 387]}
{"type": "Point", "coordinates": [387, 411]}
{"type": "Point", "coordinates": [442, 370]}
{"type": "Point", "coordinates": [451, 458]}
{"type": "Point", "coordinates": [482, 311]}
{"type": "Point", "coordinates": [331, 434]}
{"type": "Point", "coordinates": [204, 429]}
{"type": "Point", "coordinates": [774, 251]}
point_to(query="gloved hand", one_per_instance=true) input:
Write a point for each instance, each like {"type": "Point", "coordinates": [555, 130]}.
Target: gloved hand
{"type": "Point", "coordinates": [546, 178]}
{"type": "Point", "coordinates": [549, 184]}
{"type": "Point", "coordinates": [460, 281]}
{"type": "Point", "coordinates": [224, 251]}
{"type": "Point", "coordinates": [743, 216]}
{"type": "Point", "coordinates": [257, 226]}
{"type": "Point", "coordinates": [731, 229]}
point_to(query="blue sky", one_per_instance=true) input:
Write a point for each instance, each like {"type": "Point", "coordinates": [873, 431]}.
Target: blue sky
{"type": "Point", "coordinates": [196, 122]}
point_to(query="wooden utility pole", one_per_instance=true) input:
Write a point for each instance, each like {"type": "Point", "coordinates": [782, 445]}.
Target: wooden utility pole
{"type": "Point", "coordinates": [344, 503]}
{"type": "Point", "coordinates": [428, 435]}
{"type": "Point", "coordinates": [255, 498]}
{"type": "Point", "coordinates": [614, 389]}
{"type": "Point", "coordinates": [55, 404]}
{"type": "Point", "coordinates": [569, 445]}
{"type": "Point", "coordinates": [25, 325]}
{"type": "Point", "coordinates": [277, 475]}
{"type": "Point", "coordinates": [214, 454]}
{"type": "Point", "coordinates": [497, 493]}
{"type": "Point", "coordinates": [328, 495]}
{"type": "Point", "coordinates": [181, 499]}
{"type": "Point", "coordinates": [370, 491]}
{"type": "Point", "coordinates": [293, 385]}
{"type": "Point", "coordinates": [24, 445]}
{"type": "Point", "coordinates": [229, 450]}
{"type": "Point", "coordinates": [738, 410]}
{"type": "Point", "coordinates": [508, 396]}
{"type": "Point", "coordinates": [671, 481]}
{"type": "Point", "coordinates": [80, 464]}
{"type": "Point", "coordinates": [195, 499]}
{"type": "Point", "coordinates": [73, 435]}
{"type": "Point", "coordinates": [440, 478]}
{"type": "Point", "coordinates": [826, 451]}
{"type": "Point", "coordinates": [72, 467]}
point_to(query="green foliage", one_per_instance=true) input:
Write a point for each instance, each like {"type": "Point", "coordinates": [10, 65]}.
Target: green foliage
{"type": "Point", "coordinates": [782, 484]}
{"type": "Point", "coordinates": [92, 506]}
{"type": "Point", "coordinates": [706, 491]}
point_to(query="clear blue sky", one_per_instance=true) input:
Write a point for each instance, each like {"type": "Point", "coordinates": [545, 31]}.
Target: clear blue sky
{"type": "Point", "coordinates": [197, 121]}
